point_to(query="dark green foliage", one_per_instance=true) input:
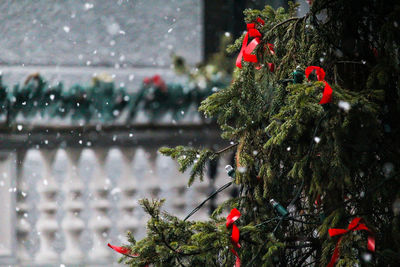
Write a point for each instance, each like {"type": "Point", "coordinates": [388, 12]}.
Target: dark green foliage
{"type": "Point", "coordinates": [189, 156]}
{"type": "Point", "coordinates": [102, 101]}
{"type": "Point", "coordinates": [173, 242]}
{"type": "Point", "coordinates": [345, 155]}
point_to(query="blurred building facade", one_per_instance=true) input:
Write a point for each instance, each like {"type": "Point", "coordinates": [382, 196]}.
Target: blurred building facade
{"type": "Point", "coordinates": [68, 190]}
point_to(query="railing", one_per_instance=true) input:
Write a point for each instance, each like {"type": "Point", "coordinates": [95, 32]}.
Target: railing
{"type": "Point", "coordinates": [76, 188]}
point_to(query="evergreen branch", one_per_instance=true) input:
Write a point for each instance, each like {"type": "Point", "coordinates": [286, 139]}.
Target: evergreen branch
{"type": "Point", "coordinates": [305, 257]}
{"type": "Point", "coordinates": [278, 224]}
{"type": "Point", "coordinates": [311, 147]}
{"type": "Point", "coordinates": [351, 62]}
{"type": "Point", "coordinates": [163, 239]}
{"type": "Point", "coordinates": [284, 22]}
{"type": "Point", "coordinates": [300, 221]}
{"type": "Point", "coordinates": [267, 221]}
{"type": "Point", "coordinates": [226, 148]}
{"type": "Point", "coordinates": [369, 192]}
{"type": "Point", "coordinates": [207, 199]}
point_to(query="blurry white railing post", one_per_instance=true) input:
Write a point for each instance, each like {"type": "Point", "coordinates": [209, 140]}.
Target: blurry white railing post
{"type": "Point", "coordinates": [72, 224]}
{"type": "Point", "coordinates": [47, 224]}
{"type": "Point", "coordinates": [178, 188]}
{"type": "Point", "coordinates": [23, 226]}
{"type": "Point", "coordinates": [112, 185]}
{"type": "Point", "coordinates": [152, 181]}
{"type": "Point", "coordinates": [8, 192]}
{"type": "Point", "coordinates": [145, 170]}
{"type": "Point", "coordinates": [128, 185]}
{"type": "Point", "coordinates": [201, 192]}
{"type": "Point", "coordinates": [223, 178]}
{"type": "Point", "coordinates": [100, 222]}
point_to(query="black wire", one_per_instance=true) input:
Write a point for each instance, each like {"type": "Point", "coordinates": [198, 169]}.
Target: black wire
{"type": "Point", "coordinates": [225, 186]}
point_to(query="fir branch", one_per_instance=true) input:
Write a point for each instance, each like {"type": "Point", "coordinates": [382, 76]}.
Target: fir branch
{"type": "Point", "coordinates": [226, 148]}
{"type": "Point", "coordinates": [225, 186]}
{"type": "Point", "coordinates": [284, 22]}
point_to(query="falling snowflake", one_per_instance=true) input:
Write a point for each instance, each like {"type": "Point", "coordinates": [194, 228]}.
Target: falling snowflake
{"type": "Point", "coordinates": [66, 29]}
{"type": "Point", "coordinates": [344, 105]}
{"type": "Point", "coordinates": [88, 6]}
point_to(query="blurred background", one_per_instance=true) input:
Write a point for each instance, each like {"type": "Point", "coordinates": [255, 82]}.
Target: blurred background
{"type": "Point", "coordinates": [89, 91]}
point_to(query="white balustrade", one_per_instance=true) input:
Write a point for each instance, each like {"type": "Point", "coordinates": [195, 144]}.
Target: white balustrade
{"type": "Point", "coordinates": [7, 208]}
{"type": "Point", "coordinates": [47, 224]}
{"type": "Point", "coordinates": [100, 222]}
{"type": "Point", "coordinates": [177, 189]}
{"type": "Point", "coordinates": [23, 225]}
{"type": "Point", "coordinates": [198, 192]}
{"type": "Point", "coordinates": [201, 192]}
{"type": "Point", "coordinates": [73, 225]}
{"type": "Point", "coordinates": [223, 178]}
{"type": "Point", "coordinates": [128, 203]}
{"type": "Point", "coordinates": [145, 169]}
{"type": "Point", "coordinates": [113, 182]}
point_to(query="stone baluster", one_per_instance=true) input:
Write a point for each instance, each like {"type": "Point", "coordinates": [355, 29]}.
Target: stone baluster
{"type": "Point", "coordinates": [73, 225]}
{"type": "Point", "coordinates": [198, 192]}
{"type": "Point", "coordinates": [151, 178]}
{"type": "Point", "coordinates": [178, 189]}
{"type": "Point", "coordinates": [145, 168]}
{"type": "Point", "coordinates": [223, 178]}
{"type": "Point", "coordinates": [216, 177]}
{"type": "Point", "coordinates": [47, 223]}
{"type": "Point", "coordinates": [23, 225]}
{"type": "Point", "coordinates": [128, 185]}
{"type": "Point", "coordinates": [201, 192]}
{"type": "Point", "coordinates": [100, 222]}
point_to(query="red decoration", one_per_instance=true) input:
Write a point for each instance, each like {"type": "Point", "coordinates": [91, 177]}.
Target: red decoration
{"type": "Point", "coordinates": [157, 81]}
{"type": "Point", "coordinates": [271, 48]}
{"type": "Point", "coordinates": [230, 222]}
{"type": "Point", "coordinates": [355, 225]}
{"type": "Point", "coordinates": [271, 67]}
{"type": "Point", "coordinates": [122, 250]}
{"type": "Point", "coordinates": [247, 49]}
{"type": "Point", "coordinates": [327, 94]}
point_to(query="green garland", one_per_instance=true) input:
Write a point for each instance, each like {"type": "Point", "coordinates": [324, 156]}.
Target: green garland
{"type": "Point", "coordinates": [102, 101]}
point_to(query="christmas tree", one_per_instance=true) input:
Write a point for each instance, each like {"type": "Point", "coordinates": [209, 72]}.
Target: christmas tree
{"type": "Point", "coordinates": [313, 114]}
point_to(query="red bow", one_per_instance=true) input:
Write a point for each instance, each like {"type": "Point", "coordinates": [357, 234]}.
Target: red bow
{"type": "Point", "coordinates": [247, 49]}
{"type": "Point", "coordinates": [230, 222]}
{"type": "Point", "coordinates": [157, 81]}
{"type": "Point", "coordinates": [355, 225]}
{"type": "Point", "coordinates": [327, 94]}
{"type": "Point", "coordinates": [123, 250]}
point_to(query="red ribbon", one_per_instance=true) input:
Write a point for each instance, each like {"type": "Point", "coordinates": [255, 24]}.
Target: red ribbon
{"type": "Point", "coordinates": [247, 49]}
{"type": "Point", "coordinates": [271, 66]}
{"type": "Point", "coordinates": [230, 222]}
{"type": "Point", "coordinates": [157, 81]}
{"type": "Point", "coordinates": [355, 225]}
{"type": "Point", "coordinates": [123, 250]}
{"type": "Point", "coordinates": [327, 94]}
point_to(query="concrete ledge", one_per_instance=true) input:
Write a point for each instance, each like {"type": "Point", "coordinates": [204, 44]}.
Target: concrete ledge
{"type": "Point", "coordinates": [148, 135]}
